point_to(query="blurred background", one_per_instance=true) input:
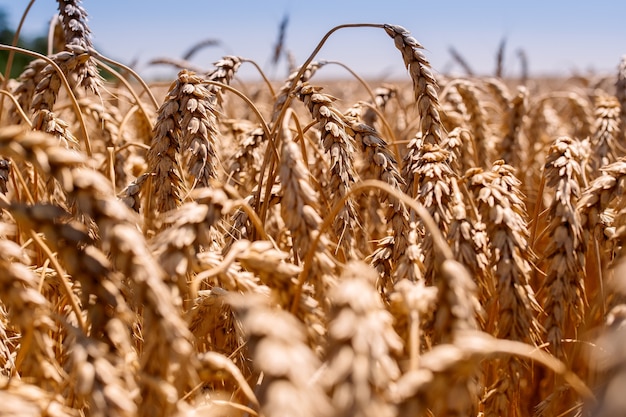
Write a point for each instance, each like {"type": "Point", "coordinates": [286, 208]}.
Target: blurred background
{"type": "Point", "coordinates": [551, 37]}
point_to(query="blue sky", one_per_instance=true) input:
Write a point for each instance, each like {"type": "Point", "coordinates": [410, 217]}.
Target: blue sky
{"type": "Point", "coordinates": [559, 37]}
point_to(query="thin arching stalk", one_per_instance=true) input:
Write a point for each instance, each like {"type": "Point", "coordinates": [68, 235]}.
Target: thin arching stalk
{"type": "Point", "coordinates": [262, 73]}
{"type": "Point", "coordinates": [130, 71]}
{"type": "Point", "coordinates": [64, 284]}
{"type": "Point", "coordinates": [130, 90]}
{"type": "Point", "coordinates": [7, 70]}
{"type": "Point", "coordinates": [18, 108]}
{"type": "Point", "coordinates": [439, 240]}
{"type": "Point", "coordinates": [306, 63]}
{"type": "Point", "coordinates": [66, 84]}
{"type": "Point", "coordinates": [250, 104]}
{"type": "Point", "coordinates": [356, 76]}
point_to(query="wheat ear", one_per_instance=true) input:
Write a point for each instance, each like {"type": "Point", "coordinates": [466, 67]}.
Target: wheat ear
{"type": "Point", "coordinates": [77, 33]}
{"type": "Point", "coordinates": [31, 312]}
{"type": "Point", "coordinates": [299, 212]}
{"type": "Point", "coordinates": [277, 348]}
{"type": "Point", "coordinates": [224, 72]}
{"type": "Point", "coordinates": [245, 163]}
{"type": "Point", "coordinates": [164, 174]}
{"type": "Point", "coordinates": [513, 145]}
{"type": "Point", "coordinates": [25, 90]}
{"type": "Point", "coordinates": [340, 145]}
{"type": "Point", "coordinates": [436, 191]}
{"type": "Point", "coordinates": [478, 126]}
{"type": "Point", "coordinates": [424, 83]}
{"type": "Point", "coordinates": [564, 285]}
{"type": "Point", "coordinates": [360, 363]}
{"type": "Point", "coordinates": [198, 124]}
{"type": "Point", "coordinates": [502, 209]}
{"type": "Point", "coordinates": [606, 132]}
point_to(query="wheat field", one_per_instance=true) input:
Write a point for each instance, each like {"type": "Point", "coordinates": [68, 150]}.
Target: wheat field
{"type": "Point", "coordinates": [208, 246]}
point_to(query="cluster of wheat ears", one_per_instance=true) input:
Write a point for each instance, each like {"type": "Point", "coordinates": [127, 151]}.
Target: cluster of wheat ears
{"type": "Point", "coordinates": [443, 247]}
